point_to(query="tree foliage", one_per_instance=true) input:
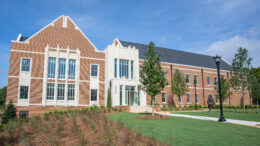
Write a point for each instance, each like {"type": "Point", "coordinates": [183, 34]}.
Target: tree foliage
{"type": "Point", "coordinates": [2, 97]}
{"type": "Point", "coordinates": [241, 66]}
{"type": "Point", "coordinates": [179, 86]}
{"type": "Point", "coordinates": [254, 84]}
{"type": "Point", "coordinates": [9, 113]}
{"type": "Point", "coordinates": [152, 75]}
{"type": "Point", "coordinates": [226, 91]}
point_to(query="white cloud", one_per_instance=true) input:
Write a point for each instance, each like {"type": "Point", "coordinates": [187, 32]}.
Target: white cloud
{"type": "Point", "coordinates": [228, 48]}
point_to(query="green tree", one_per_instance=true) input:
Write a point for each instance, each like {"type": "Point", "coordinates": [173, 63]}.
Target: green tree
{"type": "Point", "coordinates": [226, 91]}
{"type": "Point", "coordinates": [254, 85]}
{"type": "Point", "coordinates": [240, 71]}
{"type": "Point", "coordinates": [179, 86]}
{"type": "Point", "coordinates": [2, 97]}
{"type": "Point", "coordinates": [9, 113]}
{"type": "Point", "coordinates": [152, 75]}
{"type": "Point", "coordinates": [109, 103]}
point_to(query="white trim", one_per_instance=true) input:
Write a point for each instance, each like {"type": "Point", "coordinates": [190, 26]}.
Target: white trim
{"type": "Point", "coordinates": [19, 37]}
{"type": "Point", "coordinates": [187, 98]}
{"type": "Point", "coordinates": [22, 51]}
{"type": "Point", "coordinates": [21, 65]}
{"type": "Point", "coordinates": [13, 76]}
{"type": "Point", "coordinates": [209, 80]}
{"type": "Point", "coordinates": [97, 70]}
{"type": "Point", "coordinates": [92, 58]}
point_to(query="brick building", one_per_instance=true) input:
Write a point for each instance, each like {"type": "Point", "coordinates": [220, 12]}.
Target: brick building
{"type": "Point", "coordinates": [58, 67]}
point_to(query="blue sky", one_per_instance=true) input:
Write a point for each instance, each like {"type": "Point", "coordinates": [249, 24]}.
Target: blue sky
{"type": "Point", "coordinates": [201, 26]}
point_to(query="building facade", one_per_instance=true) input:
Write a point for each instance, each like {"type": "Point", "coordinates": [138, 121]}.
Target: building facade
{"type": "Point", "coordinates": [58, 67]}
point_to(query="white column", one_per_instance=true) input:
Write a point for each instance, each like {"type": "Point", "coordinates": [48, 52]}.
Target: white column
{"type": "Point", "coordinates": [123, 95]}
{"type": "Point", "coordinates": [45, 75]}
{"type": "Point", "coordinates": [66, 77]}
{"type": "Point", "coordinates": [77, 77]}
{"type": "Point", "coordinates": [56, 75]}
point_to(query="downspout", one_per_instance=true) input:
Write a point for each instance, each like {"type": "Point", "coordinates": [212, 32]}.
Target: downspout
{"type": "Point", "coordinates": [203, 86]}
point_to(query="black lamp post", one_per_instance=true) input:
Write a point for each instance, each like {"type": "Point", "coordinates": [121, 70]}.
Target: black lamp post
{"type": "Point", "coordinates": [195, 84]}
{"type": "Point", "coordinates": [221, 118]}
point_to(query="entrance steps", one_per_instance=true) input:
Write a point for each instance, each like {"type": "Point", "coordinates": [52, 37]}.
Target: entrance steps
{"type": "Point", "coordinates": [140, 109]}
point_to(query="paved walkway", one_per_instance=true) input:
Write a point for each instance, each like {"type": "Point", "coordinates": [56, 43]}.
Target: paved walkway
{"type": "Point", "coordinates": [240, 122]}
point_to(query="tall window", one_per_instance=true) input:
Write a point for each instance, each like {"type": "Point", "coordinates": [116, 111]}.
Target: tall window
{"type": "Point", "coordinates": [188, 97]}
{"type": "Point", "coordinates": [94, 70]}
{"type": "Point", "coordinates": [51, 67]}
{"type": "Point", "coordinates": [164, 74]}
{"type": "Point", "coordinates": [60, 91]}
{"type": "Point", "coordinates": [62, 68]}
{"type": "Point", "coordinates": [72, 68]}
{"type": "Point", "coordinates": [195, 79]}
{"type": "Point", "coordinates": [187, 78]}
{"type": "Point", "coordinates": [23, 92]}
{"type": "Point", "coordinates": [132, 69]}
{"type": "Point", "coordinates": [208, 80]}
{"type": "Point", "coordinates": [71, 92]}
{"type": "Point", "coordinates": [50, 91]}
{"type": "Point", "coordinates": [197, 98]}
{"type": "Point", "coordinates": [163, 97]}
{"type": "Point", "coordinates": [115, 71]}
{"type": "Point", "coordinates": [180, 99]}
{"type": "Point", "coordinates": [215, 81]}
{"type": "Point", "coordinates": [123, 68]}
{"type": "Point", "coordinates": [26, 65]}
{"type": "Point", "coordinates": [93, 94]}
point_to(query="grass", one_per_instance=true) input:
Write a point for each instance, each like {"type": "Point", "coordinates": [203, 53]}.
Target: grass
{"type": "Point", "coordinates": [185, 131]}
{"type": "Point", "coordinates": [248, 115]}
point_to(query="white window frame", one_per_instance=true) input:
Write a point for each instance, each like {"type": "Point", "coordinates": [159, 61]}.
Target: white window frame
{"type": "Point", "coordinates": [209, 81]}
{"type": "Point", "coordinates": [21, 65]}
{"type": "Point", "coordinates": [94, 102]}
{"type": "Point", "coordinates": [216, 81]}
{"type": "Point", "coordinates": [68, 92]}
{"type": "Point", "coordinates": [59, 68]}
{"type": "Point", "coordinates": [75, 69]}
{"type": "Point", "coordinates": [24, 102]}
{"type": "Point", "coordinates": [53, 91]}
{"type": "Point", "coordinates": [187, 98]}
{"type": "Point", "coordinates": [179, 99]}
{"type": "Point", "coordinates": [56, 66]}
{"type": "Point", "coordinates": [185, 78]}
{"type": "Point", "coordinates": [198, 98]}
{"type": "Point", "coordinates": [97, 71]}
{"type": "Point", "coordinates": [57, 92]}
{"type": "Point", "coordinates": [197, 79]}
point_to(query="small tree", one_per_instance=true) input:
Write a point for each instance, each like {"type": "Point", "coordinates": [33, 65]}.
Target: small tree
{"type": "Point", "coordinates": [226, 92]}
{"type": "Point", "coordinates": [254, 85]}
{"type": "Point", "coordinates": [240, 71]}
{"type": "Point", "coordinates": [9, 113]}
{"type": "Point", "coordinates": [2, 97]}
{"type": "Point", "coordinates": [179, 86]}
{"type": "Point", "coordinates": [109, 99]}
{"type": "Point", "coordinates": [152, 76]}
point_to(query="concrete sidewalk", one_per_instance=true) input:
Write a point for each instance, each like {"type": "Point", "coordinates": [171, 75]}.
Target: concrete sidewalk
{"type": "Point", "coordinates": [240, 122]}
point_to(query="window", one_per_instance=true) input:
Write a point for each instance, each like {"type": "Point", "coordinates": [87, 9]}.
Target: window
{"type": "Point", "coordinates": [164, 74]}
{"type": "Point", "coordinates": [188, 97]}
{"type": "Point", "coordinates": [72, 68]}
{"type": "Point", "coordinates": [187, 78]}
{"type": "Point", "coordinates": [121, 94]}
{"type": "Point", "coordinates": [216, 98]}
{"type": "Point", "coordinates": [50, 91]}
{"type": "Point", "coordinates": [60, 92]}
{"type": "Point", "coordinates": [208, 81]}
{"type": "Point", "coordinates": [51, 67]}
{"type": "Point", "coordinates": [163, 97]}
{"type": "Point", "coordinates": [132, 69]}
{"type": "Point", "coordinates": [23, 92]}
{"type": "Point", "coordinates": [93, 94]}
{"type": "Point", "coordinates": [123, 68]}
{"type": "Point", "coordinates": [215, 81]}
{"type": "Point", "coordinates": [26, 65]}
{"type": "Point", "coordinates": [115, 68]}
{"type": "Point", "coordinates": [180, 99]}
{"type": "Point", "coordinates": [197, 98]}
{"type": "Point", "coordinates": [94, 70]}
{"type": "Point", "coordinates": [62, 68]}
{"type": "Point", "coordinates": [71, 92]}
{"type": "Point", "coordinates": [195, 79]}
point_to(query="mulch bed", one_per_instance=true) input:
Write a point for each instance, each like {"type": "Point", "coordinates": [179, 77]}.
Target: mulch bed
{"type": "Point", "coordinates": [155, 117]}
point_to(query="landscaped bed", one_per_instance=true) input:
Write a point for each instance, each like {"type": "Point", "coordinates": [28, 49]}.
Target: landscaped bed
{"type": "Point", "coordinates": [186, 131]}
{"type": "Point", "coordinates": [238, 114]}
{"type": "Point", "coordinates": [72, 127]}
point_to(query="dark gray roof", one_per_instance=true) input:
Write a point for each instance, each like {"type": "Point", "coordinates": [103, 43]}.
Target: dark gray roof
{"type": "Point", "coordinates": [23, 38]}
{"type": "Point", "coordinates": [179, 57]}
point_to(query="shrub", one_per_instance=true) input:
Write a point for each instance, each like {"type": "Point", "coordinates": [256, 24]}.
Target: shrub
{"type": "Point", "coordinates": [102, 106]}
{"type": "Point", "coordinates": [46, 116]}
{"type": "Point", "coordinates": [170, 108]}
{"type": "Point", "coordinates": [177, 109]}
{"type": "Point", "coordinates": [45, 129]}
{"type": "Point", "coordinates": [164, 108]}
{"type": "Point", "coordinates": [109, 104]}
{"type": "Point", "coordinates": [82, 141]}
{"type": "Point", "coordinates": [114, 109]}
{"type": "Point", "coordinates": [35, 121]}
{"type": "Point", "coordinates": [60, 126]}
{"type": "Point", "coordinates": [9, 113]}
{"type": "Point", "coordinates": [11, 128]}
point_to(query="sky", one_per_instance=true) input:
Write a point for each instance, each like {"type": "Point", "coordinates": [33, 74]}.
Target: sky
{"type": "Point", "coordinates": [201, 26]}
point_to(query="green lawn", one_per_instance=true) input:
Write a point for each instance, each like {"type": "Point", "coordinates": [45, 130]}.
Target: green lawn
{"type": "Point", "coordinates": [186, 131]}
{"type": "Point", "coordinates": [249, 115]}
